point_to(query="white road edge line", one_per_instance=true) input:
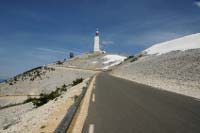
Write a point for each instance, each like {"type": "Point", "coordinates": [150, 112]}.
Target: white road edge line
{"type": "Point", "coordinates": [93, 97]}
{"type": "Point", "coordinates": [91, 128]}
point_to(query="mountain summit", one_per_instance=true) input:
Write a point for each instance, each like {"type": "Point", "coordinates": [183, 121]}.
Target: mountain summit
{"type": "Point", "coordinates": [44, 95]}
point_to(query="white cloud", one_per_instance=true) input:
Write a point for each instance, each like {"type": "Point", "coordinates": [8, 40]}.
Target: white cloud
{"type": "Point", "coordinates": [107, 42]}
{"type": "Point", "coordinates": [197, 3]}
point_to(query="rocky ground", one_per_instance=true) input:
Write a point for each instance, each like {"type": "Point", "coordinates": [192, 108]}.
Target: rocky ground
{"type": "Point", "coordinates": [46, 81]}
{"type": "Point", "coordinates": [53, 85]}
{"type": "Point", "coordinates": [177, 71]}
{"type": "Point", "coordinates": [27, 118]}
{"type": "Point", "coordinates": [15, 91]}
{"type": "Point", "coordinates": [92, 61]}
{"type": "Point", "coordinates": [19, 115]}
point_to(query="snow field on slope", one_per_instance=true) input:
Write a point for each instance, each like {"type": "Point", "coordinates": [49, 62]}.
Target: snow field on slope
{"type": "Point", "coordinates": [112, 60]}
{"type": "Point", "coordinates": [184, 43]}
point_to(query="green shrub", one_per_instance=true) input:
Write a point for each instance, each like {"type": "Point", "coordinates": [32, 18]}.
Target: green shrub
{"type": "Point", "coordinates": [15, 79]}
{"type": "Point", "coordinates": [64, 88]}
{"type": "Point", "coordinates": [129, 57]}
{"type": "Point", "coordinates": [44, 98]}
{"type": "Point", "coordinates": [7, 126]}
{"type": "Point", "coordinates": [71, 55]}
{"type": "Point", "coordinates": [77, 81]}
{"type": "Point", "coordinates": [59, 62]}
{"type": "Point", "coordinates": [134, 59]}
{"type": "Point", "coordinates": [52, 69]}
{"type": "Point", "coordinates": [42, 126]}
{"type": "Point", "coordinates": [76, 98]}
{"type": "Point", "coordinates": [10, 105]}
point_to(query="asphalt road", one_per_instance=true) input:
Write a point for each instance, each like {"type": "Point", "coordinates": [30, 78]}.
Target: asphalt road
{"type": "Point", "coordinates": [122, 106]}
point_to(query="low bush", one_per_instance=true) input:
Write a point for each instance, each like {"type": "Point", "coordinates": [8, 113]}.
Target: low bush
{"type": "Point", "coordinates": [77, 81]}
{"type": "Point", "coordinates": [44, 98]}
{"type": "Point", "coordinates": [71, 55]}
{"type": "Point", "coordinates": [7, 126]}
{"type": "Point", "coordinates": [76, 98]}
{"type": "Point", "coordinates": [43, 126]}
{"type": "Point", "coordinates": [129, 57]}
{"type": "Point", "coordinates": [59, 62]}
{"type": "Point", "coordinates": [10, 105]}
{"type": "Point", "coordinates": [134, 59]}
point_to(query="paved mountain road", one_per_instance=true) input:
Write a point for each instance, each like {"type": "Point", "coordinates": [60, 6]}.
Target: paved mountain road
{"type": "Point", "coordinates": [122, 106]}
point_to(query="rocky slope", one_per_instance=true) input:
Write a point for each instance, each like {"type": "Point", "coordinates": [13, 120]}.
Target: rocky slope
{"type": "Point", "coordinates": [93, 61]}
{"type": "Point", "coordinates": [53, 85]}
{"type": "Point", "coordinates": [26, 118]}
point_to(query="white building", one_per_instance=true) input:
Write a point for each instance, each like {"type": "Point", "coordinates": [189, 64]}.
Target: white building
{"type": "Point", "coordinates": [96, 42]}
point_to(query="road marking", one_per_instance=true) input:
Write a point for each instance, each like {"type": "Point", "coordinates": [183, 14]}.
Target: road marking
{"type": "Point", "coordinates": [93, 97]}
{"type": "Point", "coordinates": [91, 128]}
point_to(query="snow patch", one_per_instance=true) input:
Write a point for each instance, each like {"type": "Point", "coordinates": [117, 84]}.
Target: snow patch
{"type": "Point", "coordinates": [112, 60]}
{"type": "Point", "coordinates": [184, 43]}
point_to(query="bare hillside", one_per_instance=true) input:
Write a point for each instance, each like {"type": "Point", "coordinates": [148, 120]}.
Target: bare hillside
{"type": "Point", "coordinates": [41, 80]}
{"type": "Point", "coordinates": [41, 97]}
{"type": "Point", "coordinates": [173, 65]}
{"type": "Point", "coordinates": [177, 71]}
{"type": "Point", "coordinates": [92, 61]}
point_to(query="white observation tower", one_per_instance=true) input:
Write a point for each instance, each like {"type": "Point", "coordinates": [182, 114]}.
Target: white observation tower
{"type": "Point", "coordinates": [96, 42]}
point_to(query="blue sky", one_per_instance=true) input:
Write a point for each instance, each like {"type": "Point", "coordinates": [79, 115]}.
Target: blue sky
{"type": "Point", "coordinates": [36, 32]}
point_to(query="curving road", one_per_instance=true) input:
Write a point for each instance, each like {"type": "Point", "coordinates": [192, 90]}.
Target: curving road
{"type": "Point", "coordinates": [122, 106]}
